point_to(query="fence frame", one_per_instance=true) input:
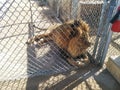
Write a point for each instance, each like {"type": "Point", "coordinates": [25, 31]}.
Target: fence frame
{"type": "Point", "coordinates": [101, 49]}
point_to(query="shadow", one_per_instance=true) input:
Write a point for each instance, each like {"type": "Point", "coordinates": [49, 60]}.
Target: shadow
{"type": "Point", "coordinates": [106, 81]}
{"type": "Point", "coordinates": [31, 54]}
{"type": "Point", "coordinates": [33, 83]}
{"type": "Point", "coordinates": [43, 61]}
{"type": "Point", "coordinates": [115, 38]}
{"type": "Point", "coordinates": [103, 81]}
{"type": "Point", "coordinates": [74, 80]}
{"type": "Point", "coordinates": [115, 45]}
{"type": "Point", "coordinates": [45, 65]}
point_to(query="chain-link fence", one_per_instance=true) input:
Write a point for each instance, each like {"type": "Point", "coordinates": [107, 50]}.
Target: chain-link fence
{"type": "Point", "coordinates": [114, 47]}
{"type": "Point", "coordinates": [106, 37]}
{"type": "Point", "coordinates": [22, 19]}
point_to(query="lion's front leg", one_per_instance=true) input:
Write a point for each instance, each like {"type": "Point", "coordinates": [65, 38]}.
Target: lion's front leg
{"type": "Point", "coordinates": [85, 58]}
{"type": "Point", "coordinates": [80, 61]}
{"type": "Point", "coordinates": [75, 63]}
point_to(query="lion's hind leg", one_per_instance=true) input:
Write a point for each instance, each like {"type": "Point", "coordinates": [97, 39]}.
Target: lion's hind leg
{"type": "Point", "coordinates": [40, 39]}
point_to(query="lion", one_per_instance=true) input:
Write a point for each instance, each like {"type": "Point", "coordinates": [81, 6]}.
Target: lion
{"type": "Point", "coordinates": [71, 37]}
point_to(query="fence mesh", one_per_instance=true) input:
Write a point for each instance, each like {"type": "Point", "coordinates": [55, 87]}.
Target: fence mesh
{"type": "Point", "coordinates": [21, 19]}
{"type": "Point", "coordinates": [114, 47]}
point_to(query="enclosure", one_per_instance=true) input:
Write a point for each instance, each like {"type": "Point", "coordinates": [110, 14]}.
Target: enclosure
{"type": "Point", "coordinates": [25, 66]}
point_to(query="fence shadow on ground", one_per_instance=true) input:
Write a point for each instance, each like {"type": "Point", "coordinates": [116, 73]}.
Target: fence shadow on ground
{"type": "Point", "coordinates": [103, 80]}
{"type": "Point", "coordinates": [72, 81]}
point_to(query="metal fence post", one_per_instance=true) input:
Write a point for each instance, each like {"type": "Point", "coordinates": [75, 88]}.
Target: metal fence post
{"type": "Point", "coordinates": [109, 34]}
{"type": "Point", "coordinates": [100, 27]}
{"type": "Point", "coordinates": [58, 7]}
{"type": "Point", "coordinates": [74, 6]}
{"type": "Point", "coordinates": [104, 43]}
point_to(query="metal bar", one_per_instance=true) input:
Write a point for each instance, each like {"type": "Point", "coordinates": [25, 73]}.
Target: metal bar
{"type": "Point", "coordinates": [115, 38]}
{"type": "Point", "coordinates": [31, 24]}
{"type": "Point", "coordinates": [115, 45]}
{"type": "Point", "coordinates": [108, 32]}
{"type": "Point", "coordinates": [100, 27]}
{"type": "Point", "coordinates": [102, 39]}
{"type": "Point", "coordinates": [58, 7]}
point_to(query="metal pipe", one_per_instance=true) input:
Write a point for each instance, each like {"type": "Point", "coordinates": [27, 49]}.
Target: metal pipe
{"type": "Point", "coordinates": [108, 32]}
{"type": "Point", "coordinates": [100, 28]}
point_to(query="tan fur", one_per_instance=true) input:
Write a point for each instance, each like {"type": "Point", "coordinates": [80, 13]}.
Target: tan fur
{"type": "Point", "coordinates": [62, 35]}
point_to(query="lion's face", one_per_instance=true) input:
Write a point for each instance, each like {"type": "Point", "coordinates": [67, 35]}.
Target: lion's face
{"type": "Point", "coordinates": [83, 36]}
{"type": "Point", "coordinates": [84, 40]}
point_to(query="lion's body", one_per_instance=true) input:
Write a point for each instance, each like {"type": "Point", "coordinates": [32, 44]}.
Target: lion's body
{"type": "Point", "coordinates": [72, 36]}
